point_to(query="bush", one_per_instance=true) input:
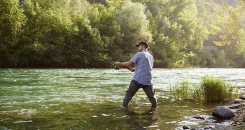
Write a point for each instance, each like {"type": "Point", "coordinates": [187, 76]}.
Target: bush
{"type": "Point", "coordinates": [186, 90]}
{"type": "Point", "coordinates": [209, 90]}
{"type": "Point", "coordinates": [216, 90]}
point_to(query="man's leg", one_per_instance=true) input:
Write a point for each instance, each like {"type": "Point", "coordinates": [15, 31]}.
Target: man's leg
{"type": "Point", "coordinates": [132, 89]}
{"type": "Point", "coordinates": [150, 92]}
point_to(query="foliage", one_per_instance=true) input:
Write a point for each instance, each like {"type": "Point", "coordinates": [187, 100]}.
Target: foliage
{"type": "Point", "coordinates": [228, 27]}
{"type": "Point", "coordinates": [51, 33]}
{"type": "Point", "coordinates": [110, 31]}
{"type": "Point", "coordinates": [186, 90]}
{"type": "Point", "coordinates": [240, 43]}
{"type": "Point", "coordinates": [178, 30]}
{"type": "Point", "coordinates": [134, 25]}
{"type": "Point", "coordinates": [209, 90]}
{"type": "Point", "coordinates": [11, 22]}
{"type": "Point", "coordinates": [216, 90]}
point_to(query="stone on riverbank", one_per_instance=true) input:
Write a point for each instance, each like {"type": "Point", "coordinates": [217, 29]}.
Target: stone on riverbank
{"type": "Point", "coordinates": [223, 112]}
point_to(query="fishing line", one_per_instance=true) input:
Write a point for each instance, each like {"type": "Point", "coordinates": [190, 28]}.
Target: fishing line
{"type": "Point", "coordinates": [97, 56]}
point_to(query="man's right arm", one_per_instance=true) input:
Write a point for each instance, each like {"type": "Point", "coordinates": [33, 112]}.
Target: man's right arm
{"type": "Point", "coordinates": [131, 69]}
{"type": "Point", "coordinates": [124, 64]}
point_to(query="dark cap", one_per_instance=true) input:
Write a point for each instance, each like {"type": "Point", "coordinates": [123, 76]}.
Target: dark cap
{"type": "Point", "coordinates": [142, 43]}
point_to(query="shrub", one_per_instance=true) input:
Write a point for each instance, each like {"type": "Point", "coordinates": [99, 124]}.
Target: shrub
{"type": "Point", "coordinates": [185, 90]}
{"type": "Point", "coordinates": [209, 90]}
{"type": "Point", "coordinates": [216, 90]}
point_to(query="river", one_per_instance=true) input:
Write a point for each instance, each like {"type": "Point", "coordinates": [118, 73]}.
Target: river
{"type": "Point", "coordinates": [85, 99]}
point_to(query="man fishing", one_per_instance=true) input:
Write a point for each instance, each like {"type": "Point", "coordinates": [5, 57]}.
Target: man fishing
{"type": "Point", "coordinates": [141, 64]}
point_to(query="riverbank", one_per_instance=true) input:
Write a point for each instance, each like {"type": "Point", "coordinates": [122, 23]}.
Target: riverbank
{"type": "Point", "coordinates": [237, 122]}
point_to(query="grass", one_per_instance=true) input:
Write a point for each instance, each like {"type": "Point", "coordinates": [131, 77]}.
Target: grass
{"type": "Point", "coordinates": [185, 90]}
{"type": "Point", "coordinates": [216, 90]}
{"type": "Point", "coordinates": [209, 90]}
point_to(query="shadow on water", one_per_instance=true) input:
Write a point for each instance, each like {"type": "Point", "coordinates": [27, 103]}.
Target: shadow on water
{"type": "Point", "coordinates": [140, 120]}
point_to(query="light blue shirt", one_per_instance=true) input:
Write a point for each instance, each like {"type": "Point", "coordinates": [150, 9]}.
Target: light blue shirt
{"type": "Point", "coordinates": [143, 64]}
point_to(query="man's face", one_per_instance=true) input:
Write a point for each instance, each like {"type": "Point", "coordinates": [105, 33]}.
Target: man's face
{"type": "Point", "coordinates": [140, 48]}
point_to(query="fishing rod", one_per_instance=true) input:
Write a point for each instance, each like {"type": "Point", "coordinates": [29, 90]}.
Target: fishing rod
{"type": "Point", "coordinates": [97, 56]}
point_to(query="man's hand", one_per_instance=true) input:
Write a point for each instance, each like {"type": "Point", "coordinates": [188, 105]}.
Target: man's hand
{"type": "Point", "coordinates": [131, 69]}
{"type": "Point", "coordinates": [117, 63]}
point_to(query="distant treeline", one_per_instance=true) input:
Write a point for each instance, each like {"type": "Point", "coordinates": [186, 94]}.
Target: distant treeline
{"type": "Point", "coordinates": [94, 33]}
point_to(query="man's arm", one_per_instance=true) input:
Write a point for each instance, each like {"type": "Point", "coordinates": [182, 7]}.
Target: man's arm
{"type": "Point", "coordinates": [124, 64]}
{"type": "Point", "coordinates": [131, 69]}
{"type": "Point", "coordinates": [128, 65]}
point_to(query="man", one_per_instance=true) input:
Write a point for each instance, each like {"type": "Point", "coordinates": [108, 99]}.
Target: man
{"type": "Point", "coordinates": [143, 64]}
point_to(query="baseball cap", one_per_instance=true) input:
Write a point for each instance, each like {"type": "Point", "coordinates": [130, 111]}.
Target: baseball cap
{"type": "Point", "coordinates": [142, 43]}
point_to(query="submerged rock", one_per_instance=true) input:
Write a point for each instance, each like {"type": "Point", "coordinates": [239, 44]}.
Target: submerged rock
{"type": "Point", "coordinates": [185, 127]}
{"type": "Point", "coordinates": [223, 112]}
{"type": "Point", "coordinates": [242, 96]}
{"type": "Point", "coordinates": [222, 127]}
{"type": "Point", "coordinates": [3, 128]}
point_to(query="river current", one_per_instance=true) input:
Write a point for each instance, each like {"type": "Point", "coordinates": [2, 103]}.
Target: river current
{"type": "Point", "coordinates": [84, 99]}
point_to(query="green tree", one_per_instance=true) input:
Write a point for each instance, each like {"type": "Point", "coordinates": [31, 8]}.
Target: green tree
{"type": "Point", "coordinates": [207, 59]}
{"type": "Point", "coordinates": [75, 8]}
{"type": "Point", "coordinates": [106, 21]}
{"type": "Point", "coordinates": [43, 36]}
{"type": "Point", "coordinates": [87, 39]}
{"type": "Point", "coordinates": [178, 29]}
{"type": "Point", "coordinates": [221, 60]}
{"type": "Point", "coordinates": [134, 25]}
{"type": "Point", "coordinates": [229, 26]}
{"type": "Point", "coordinates": [51, 33]}
{"type": "Point", "coordinates": [11, 22]}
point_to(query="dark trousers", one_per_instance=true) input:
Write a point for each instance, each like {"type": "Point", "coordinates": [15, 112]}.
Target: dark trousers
{"type": "Point", "coordinates": [134, 87]}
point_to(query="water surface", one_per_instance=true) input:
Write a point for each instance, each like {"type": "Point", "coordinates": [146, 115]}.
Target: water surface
{"type": "Point", "coordinates": [84, 99]}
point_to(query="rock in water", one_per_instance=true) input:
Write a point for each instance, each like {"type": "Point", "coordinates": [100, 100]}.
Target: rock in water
{"type": "Point", "coordinates": [242, 96]}
{"type": "Point", "coordinates": [222, 127]}
{"type": "Point", "coordinates": [223, 112]}
{"type": "Point", "coordinates": [185, 127]}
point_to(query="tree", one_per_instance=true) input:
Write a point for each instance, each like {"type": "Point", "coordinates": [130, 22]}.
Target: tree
{"type": "Point", "coordinates": [134, 25]}
{"type": "Point", "coordinates": [178, 29]}
{"type": "Point", "coordinates": [43, 35]}
{"type": "Point", "coordinates": [229, 28]}
{"type": "Point", "coordinates": [105, 20]}
{"type": "Point", "coordinates": [11, 22]}
{"type": "Point", "coordinates": [53, 33]}
{"type": "Point", "coordinates": [221, 60]}
{"type": "Point", "coordinates": [87, 39]}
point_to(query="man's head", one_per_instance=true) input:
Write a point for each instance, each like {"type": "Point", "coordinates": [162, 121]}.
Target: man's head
{"type": "Point", "coordinates": [142, 43]}
{"type": "Point", "coordinates": [142, 46]}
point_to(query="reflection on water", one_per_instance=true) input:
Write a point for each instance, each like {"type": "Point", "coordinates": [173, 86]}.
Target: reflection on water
{"type": "Point", "coordinates": [90, 99]}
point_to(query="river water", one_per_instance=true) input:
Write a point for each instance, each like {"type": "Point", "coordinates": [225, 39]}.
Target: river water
{"type": "Point", "coordinates": [85, 99]}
